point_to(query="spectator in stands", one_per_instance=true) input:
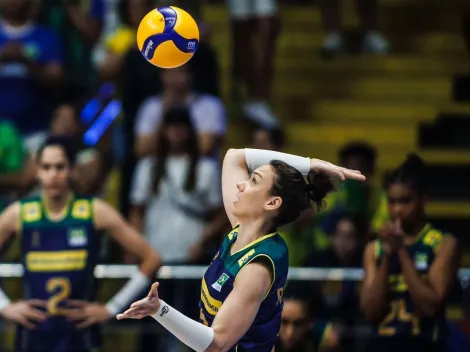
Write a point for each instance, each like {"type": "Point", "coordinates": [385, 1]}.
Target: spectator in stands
{"type": "Point", "coordinates": [16, 170]}
{"type": "Point", "coordinates": [300, 330]}
{"type": "Point", "coordinates": [30, 63]}
{"type": "Point", "coordinates": [269, 139]}
{"type": "Point", "coordinates": [341, 298]}
{"type": "Point", "coordinates": [119, 43]}
{"type": "Point", "coordinates": [174, 191]}
{"type": "Point", "coordinates": [207, 113]}
{"type": "Point", "coordinates": [89, 167]}
{"type": "Point", "coordinates": [174, 201]}
{"type": "Point", "coordinates": [255, 28]}
{"type": "Point", "coordinates": [17, 174]}
{"type": "Point", "coordinates": [79, 23]}
{"type": "Point", "coordinates": [352, 197]}
{"type": "Point", "coordinates": [367, 10]}
{"type": "Point", "coordinates": [346, 245]}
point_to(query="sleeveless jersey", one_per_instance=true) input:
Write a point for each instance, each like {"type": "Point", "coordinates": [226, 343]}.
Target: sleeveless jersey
{"type": "Point", "coordinates": [219, 279]}
{"type": "Point", "coordinates": [402, 320]}
{"type": "Point", "coordinates": [59, 259]}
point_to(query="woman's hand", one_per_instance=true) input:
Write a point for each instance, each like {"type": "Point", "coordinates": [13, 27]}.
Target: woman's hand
{"type": "Point", "coordinates": [335, 171]}
{"type": "Point", "coordinates": [145, 307]}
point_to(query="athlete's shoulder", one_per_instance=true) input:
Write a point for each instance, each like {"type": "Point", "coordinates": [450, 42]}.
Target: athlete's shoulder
{"type": "Point", "coordinates": [433, 237]}
{"type": "Point", "coordinates": [30, 208]}
{"type": "Point", "coordinates": [82, 207]}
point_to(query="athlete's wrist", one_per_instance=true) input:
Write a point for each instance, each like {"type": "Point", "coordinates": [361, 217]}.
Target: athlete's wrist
{"type": "Point", "coordinates": [161, 311]}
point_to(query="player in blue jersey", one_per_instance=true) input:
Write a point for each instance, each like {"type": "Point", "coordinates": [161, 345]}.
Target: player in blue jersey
{"type": "Point", "coordinates": [242, 290]}
{"type": "Point", "coordinates": [59, 234]}
{"type": "Point", "coordinates": [409, 270]}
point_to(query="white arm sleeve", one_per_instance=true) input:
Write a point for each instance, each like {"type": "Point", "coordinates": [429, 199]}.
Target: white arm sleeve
{"type": "Point", "coordinates": [128, 293]}
{"type": "Point", "coordinates": [4, 301]}
{"type": "Point", "coordinates": [258, 157]}
{"type": "Point", "coordinates": [193, 334]}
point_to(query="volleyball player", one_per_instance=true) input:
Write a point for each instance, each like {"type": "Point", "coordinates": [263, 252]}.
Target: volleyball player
{"type": "Point", "coordinates": [301, 331]}
{"type": "Point", "coordinates": [59, 240]}
{"type": "Point", "coordinates": [409, 270]}
{"type": "Point", "coordinates": [242, 290]}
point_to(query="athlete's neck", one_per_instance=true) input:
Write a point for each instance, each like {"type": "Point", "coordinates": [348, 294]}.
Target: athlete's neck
{"type": "Point", "coordinates": [56, 205]}
{"type": "Point", "coordinates": [250, 231]}
{"type": "Point", "coordinates": [415, 229]}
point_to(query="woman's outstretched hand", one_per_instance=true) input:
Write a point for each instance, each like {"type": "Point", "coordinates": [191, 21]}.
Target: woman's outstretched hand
{"type": "Point", "coordinates": [335, 171]}
{"type": "Point", "coordinates": [143, 308]}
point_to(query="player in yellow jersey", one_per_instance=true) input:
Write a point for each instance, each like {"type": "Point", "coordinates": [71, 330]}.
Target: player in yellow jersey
{"type": "Point", "coordinates": [242, 290]}
{"type": "Point", "coordinates": [409, 270]}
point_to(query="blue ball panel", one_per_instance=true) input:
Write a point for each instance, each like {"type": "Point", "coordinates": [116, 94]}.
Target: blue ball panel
{"type": "Point", "coordinates": [170, 17]}
{"type": "Point", "coordinates": [187, 46]}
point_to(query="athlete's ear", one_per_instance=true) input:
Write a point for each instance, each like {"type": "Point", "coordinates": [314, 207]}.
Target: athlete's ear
{"type": "Point", "coordinates": [273, 203]}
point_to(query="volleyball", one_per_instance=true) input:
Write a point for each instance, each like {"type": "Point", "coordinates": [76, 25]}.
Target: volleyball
{"type": "Point", "coordinates": [168, 37]}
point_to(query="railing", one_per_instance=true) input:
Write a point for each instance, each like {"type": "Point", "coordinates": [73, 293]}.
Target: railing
{"type": "Point", "coordinates": [104, 271]}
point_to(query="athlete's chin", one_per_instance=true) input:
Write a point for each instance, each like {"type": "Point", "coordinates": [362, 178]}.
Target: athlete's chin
{"type": "Point", "coordinates": [53, 192]}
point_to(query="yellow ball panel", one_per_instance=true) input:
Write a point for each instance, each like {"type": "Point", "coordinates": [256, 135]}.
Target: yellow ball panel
{"type": "Point", "coordinates": [167, 55]}
{"type": "Point", "coordinates": [153, 23]}
{"type": "Point", "coordinates": [185, 25]}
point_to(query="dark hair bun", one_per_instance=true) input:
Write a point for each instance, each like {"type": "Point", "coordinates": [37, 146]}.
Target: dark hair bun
{"type": "Point", "coordinates": [318, 186]}
{"type": "Point", "coordinates": [414, 163]}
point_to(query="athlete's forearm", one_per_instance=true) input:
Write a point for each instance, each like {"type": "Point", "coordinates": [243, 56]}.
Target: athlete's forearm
{"type": "Point", "coordinates": [196, 336]}
{"type": "Point", "coordinates": [374, 295]}
{"type": "Point", "coordinates": [423, 295]}
{"type": "Point", "coordinates": [255, 158]}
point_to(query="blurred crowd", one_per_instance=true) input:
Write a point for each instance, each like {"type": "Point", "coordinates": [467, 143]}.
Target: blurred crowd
{"type": "Point", "coordinates": [150, 140]}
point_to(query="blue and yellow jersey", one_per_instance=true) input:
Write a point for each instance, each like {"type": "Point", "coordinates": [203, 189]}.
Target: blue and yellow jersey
{"type": "Point", "coordinates": [59, 259]}
{"type": "Point", "coordinates": [219, 279]}
{"type": "Point", "coordinates": [402, 319]}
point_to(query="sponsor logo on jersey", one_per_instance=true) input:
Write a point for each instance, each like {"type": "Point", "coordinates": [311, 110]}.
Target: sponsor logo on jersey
{"type": "Point", "coordinates": [77, 237]}
{"type": "Point", "coordinates": [243, 260]}
{"type": "Point", "coordinates": [421, 261]}
{"type": "Point", "coordinates": [220, 282]}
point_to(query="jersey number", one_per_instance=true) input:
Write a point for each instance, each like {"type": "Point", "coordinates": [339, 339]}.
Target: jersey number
{"type": "Point", "coordinates": [398, 312]}
{"type": "Point", "coordinates": [60, 288]}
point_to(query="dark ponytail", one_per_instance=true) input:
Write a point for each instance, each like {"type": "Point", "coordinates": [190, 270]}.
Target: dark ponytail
{"type": "Point", "coordinates": [296, 194]}
{"type": "Point", "coordinates": [412, 172]}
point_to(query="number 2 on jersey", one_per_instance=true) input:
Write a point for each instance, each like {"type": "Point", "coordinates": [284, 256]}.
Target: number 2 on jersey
{"type": "Point", "coordinates": [398, 312]}
{"type": "Point", "coordinates": [60, 288]}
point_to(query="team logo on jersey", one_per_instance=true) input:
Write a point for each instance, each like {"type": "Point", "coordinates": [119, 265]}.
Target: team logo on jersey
{"type": "Point", "coordinates": [220, 282]}
{"type": "Point", "coordinates": [77, 237]}
{"type": "Point", "coordinates": [31, 212]}
{"type": "Point", "coordinates": [81, 209]}
{"type": "Point", "coordinates": [421, 261]}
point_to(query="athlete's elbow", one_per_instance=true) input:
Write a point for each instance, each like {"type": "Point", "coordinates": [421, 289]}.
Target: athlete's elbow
{"type": "Point", "coordinates": [234, 155]}
{"type": "Point", "coordinates": [219, 343]}
{"type": "Point", "coordinates": [151, 262]}
{"type": "Point", "coordinates": [373, 313]}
